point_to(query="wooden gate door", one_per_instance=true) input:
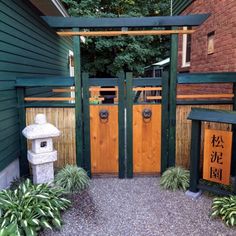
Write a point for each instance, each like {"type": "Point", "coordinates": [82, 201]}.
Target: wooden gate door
{"type": "Point", "coordinates": [144, 126]}
{"type": "Point", "coordinates": [104, 125]}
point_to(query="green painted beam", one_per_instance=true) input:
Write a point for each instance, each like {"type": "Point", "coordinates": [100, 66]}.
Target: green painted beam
{"type": "Point", "coordinates": [201, 78]}
{"type": "Point", "coordinates": [121, 122]}
{"type": "Point", "coordinates": [165, 123]}
{"type": "Point", "coordinates": [172, 98]}
{"type": "Point", "coordinates": [212, 115]}
{"type": "Point", "coordinates": [24, 165]}
{"type": "Point", "coordinates": [78, 102]}
{"type": "Point", "coordinates": [103, 82]}
{"type": "Point", "coordinates": [129, 122]}
{"type": "Point", "coordinates": [86, 123]}
{"type": "Point", "coordinates": [147, 81]}
{"type": "Point", "coordinates": [57, 81]}
{"type": "Point", "coordinates": [156, 21]}
{"type": "Point", "coordinates": [195, 155]}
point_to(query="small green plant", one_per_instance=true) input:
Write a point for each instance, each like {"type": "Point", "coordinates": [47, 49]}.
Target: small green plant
{"type": "Point", "coordinates": [30, 208]}
{"type": "Point", "coordinates": [72, 179]}
{"type": "Point", "coordinates": [175, 178]}
{"type": "Point", "coordinates": [225, 208]}
{"type": "Point", "coordinates": [15, 183]}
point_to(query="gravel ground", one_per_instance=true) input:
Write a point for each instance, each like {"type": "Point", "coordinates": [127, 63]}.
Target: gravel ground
{"type": "Point", "coordinates": [139, 207]}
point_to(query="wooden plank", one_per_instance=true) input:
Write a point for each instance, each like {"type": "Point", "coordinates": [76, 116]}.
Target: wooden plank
{"type": "Point", "coordinates": [147, 140]}
{"type": "Point", "coordinates": [121, 122]}
{"type": "Point", "coordinates": [78, 102]}
{"type": "Point", "coordinates": [129, 125]}
{"type": "Point", "coordinates": [202, 78]}
{"type": "Point", "coordinates": [195, 156]}
{"type": "Point", "coordinates": [102, 89]}
{"type": "Point", "coordinates": [172, 99]}
{"type": "Point", "coordinates": [147, 89]}
{"type": "Point", "coordinates": [156, 21]}
{"type": "Point", "coordinates": [63, 90]}
{"type": "Point", "coordinates": [154, 97]}
{"type": "Point", "coordinates": [49, 99]}
{"type": "Point", "coordinates": [195, 96]}
{"type": "Point", "coordinates": [233, 161]}
{"type": "Point", "coordinates": [104, 140]}
{"type": "Point", "coordinates": [123, 33]}
{"type": "Point", "coordinates": [86, 123]}
{"type": "Point", "coordinates": [221, 116]}
{"type": "Point", "coordinates": [217, 156]}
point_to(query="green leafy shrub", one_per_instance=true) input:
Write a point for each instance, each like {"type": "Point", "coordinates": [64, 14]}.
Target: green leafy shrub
{"type": "Point", "coordinates": [30, 208]}
{"type": "Point", "coordinates": [72, 179]}
{"type": "Point", "coordinates": [175, 178]}
{"type": "Point", "coordinates": [225, 208]}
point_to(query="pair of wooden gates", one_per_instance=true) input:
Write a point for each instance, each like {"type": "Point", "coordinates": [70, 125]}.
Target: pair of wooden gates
{"type": "Point", "coordinates": [123, 136]}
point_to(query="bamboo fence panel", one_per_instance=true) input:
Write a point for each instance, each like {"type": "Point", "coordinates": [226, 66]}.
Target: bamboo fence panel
{"type": "Point", "coordinates": [64, 120]}
{"type": "Point", "coordinates": [183, 131]}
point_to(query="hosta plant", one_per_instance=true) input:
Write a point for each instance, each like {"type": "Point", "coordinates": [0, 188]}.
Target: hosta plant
{"type": "Point", "coordinates": [175, 178]}
{"type": "Point", "coordinates": [30, 208]}
{"type": "Point", "coordinates": [225, 208]}
{"type": "Point", "coordinates": [72, 179]}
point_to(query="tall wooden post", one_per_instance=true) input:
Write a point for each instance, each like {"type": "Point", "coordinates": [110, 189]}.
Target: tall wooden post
{"type": "Point", "coordinates": [172, 99]}
{"type": "Point", "coordinates": [233, 161]}
{"type": "Point", "coordinates": [24, 165]}
{"type": "Point", "coordinates": [78, 100]}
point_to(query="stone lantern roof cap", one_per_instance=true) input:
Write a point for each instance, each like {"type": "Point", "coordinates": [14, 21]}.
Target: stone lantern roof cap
{"type": "Point", "coordinates": [41, 129]}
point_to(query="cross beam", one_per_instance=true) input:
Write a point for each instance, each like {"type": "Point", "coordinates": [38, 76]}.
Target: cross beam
{"type": "Point", "coordinates": [119, 22]}
{"type": "Point", "coordinates": [124, 33]}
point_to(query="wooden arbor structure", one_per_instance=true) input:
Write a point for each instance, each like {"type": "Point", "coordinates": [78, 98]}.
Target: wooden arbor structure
{"type": "Point", "coordinates": [160, 25]}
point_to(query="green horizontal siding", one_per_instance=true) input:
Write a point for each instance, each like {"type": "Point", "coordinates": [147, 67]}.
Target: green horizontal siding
{"type": "Point", "coordinates": [28, 47]}
{"type": "Point", "coordinates": [180, 5]}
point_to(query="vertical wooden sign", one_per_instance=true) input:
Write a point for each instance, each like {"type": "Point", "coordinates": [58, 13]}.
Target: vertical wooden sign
{"type": "Point", "coordinates": [217, 156]}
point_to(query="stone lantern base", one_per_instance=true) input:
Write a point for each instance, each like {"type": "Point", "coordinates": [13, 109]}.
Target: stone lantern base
{"type": "Point", "coordinates": [42, 166]}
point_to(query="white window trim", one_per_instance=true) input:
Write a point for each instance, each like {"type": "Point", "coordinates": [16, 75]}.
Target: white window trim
{"type": "Point", "coordinates": [72, 73]}
{"type": "Point", "coordinates": [184, 50]}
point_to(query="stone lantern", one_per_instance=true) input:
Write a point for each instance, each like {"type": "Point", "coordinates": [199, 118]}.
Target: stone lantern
{"type": "Point", "coordinates": [42, 155]}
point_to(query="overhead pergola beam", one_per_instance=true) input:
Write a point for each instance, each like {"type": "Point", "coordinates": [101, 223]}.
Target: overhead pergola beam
{"type": "Point", "coordinates": [124, 33]}
{"type": "Point", "coordinates": [119, 22]}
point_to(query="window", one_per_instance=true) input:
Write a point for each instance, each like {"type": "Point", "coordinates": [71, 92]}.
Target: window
{"type": "Point", "coordinates": [210, 43]}
{"type": "Point", "coordinates": [186, 50]}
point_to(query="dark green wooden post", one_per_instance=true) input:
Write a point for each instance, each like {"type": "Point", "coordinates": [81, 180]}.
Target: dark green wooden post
{"type": "Point", "coordinates": [165, 122]}
{"type": "Point", "coordinates": [78, 101]}
{"type": "Point", "coordinates": [195, 155]}
{"type": "Point", "coordinates": [24, 165]}
{"type": "Point", "coordinates": [172, 99]}
{"type": "Point", "coordinates": [129, 122]}
{"type": "Point", "coordinates": [86, 115]}
{"type": "Point", "coordinates": [233, 161]}
{"type": "Point", "coordinates": [121, 122]}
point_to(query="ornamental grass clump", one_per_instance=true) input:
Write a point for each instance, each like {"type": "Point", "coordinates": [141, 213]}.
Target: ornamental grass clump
{"type": "Point", "coordinates": [72, 179]}
{"type": "Point", "coordinates": [30, 208]}
{"type": "Point", "coordinates": [175, 178]}
{"type": "Point", "coordinates": [225, 208]}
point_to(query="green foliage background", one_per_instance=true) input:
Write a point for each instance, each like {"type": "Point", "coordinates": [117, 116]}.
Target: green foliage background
{"type": "Point", "coordinates": [105, 56]}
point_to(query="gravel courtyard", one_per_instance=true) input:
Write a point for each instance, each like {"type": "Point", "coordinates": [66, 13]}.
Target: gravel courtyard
{"type": "Point", "coordinates": [139, 207]}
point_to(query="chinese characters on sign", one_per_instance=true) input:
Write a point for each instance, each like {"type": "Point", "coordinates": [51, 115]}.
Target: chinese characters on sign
{"type": "Point", "coordinates": [217, 156]}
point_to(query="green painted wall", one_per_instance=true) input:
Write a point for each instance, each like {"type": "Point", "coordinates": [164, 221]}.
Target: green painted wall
{"type": "Point", "coordinates": [28, 47]}
{"type": "Point", "coordinates": [180, 5]}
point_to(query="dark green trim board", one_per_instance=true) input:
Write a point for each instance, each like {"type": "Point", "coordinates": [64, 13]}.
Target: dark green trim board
{"type": "Point", "coordinates": [129, 126]}
{"type": "Point", "coordinates": [212, 115]}
{"type": "Point", "coordinates": [201, 78]}
{"type": "Point", "coordinates": [86, 123]}
{"type": "Point", "coordinates": [233, 161]}
{"type": "Point", "coordinates": [121, 123]}
{"type": "Point", "coordinates": [78, 102]}
{"type": "Point", "coordinates": [165, 123]}
{"type": "Point", "coordinates": [180, 5]}
{"type": "Point", "coordinates": [195, 155]}
{"type": "Point", "coordinates": [24, 165]}
{"type": "Point", "coordinates": [92, 22]}
{"type": "Point", "coordinates": [172, 98]}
